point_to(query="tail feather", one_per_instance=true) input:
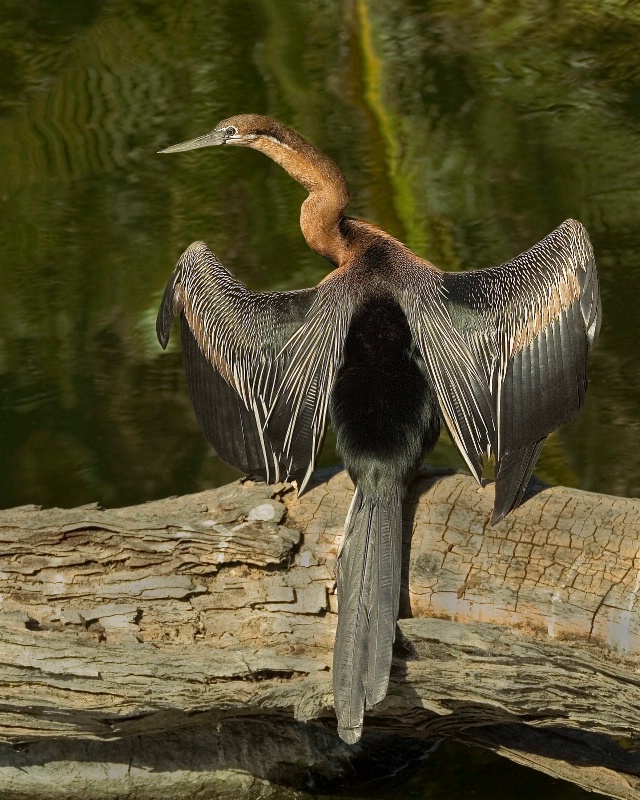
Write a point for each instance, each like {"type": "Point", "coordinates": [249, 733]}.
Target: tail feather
{"type": "Point", "coordinates": [384, 612]}
{"type": "Point", "coordinates": [368, 599]}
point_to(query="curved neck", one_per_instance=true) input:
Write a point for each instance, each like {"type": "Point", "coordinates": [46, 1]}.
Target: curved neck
{"type": "Point", "coordinates": [322, 211]}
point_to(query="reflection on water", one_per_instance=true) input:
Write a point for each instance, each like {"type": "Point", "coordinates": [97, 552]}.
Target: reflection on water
{"type": "Point", "coordinates": [468, 130]}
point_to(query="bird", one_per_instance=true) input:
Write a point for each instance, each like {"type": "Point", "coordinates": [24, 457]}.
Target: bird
{"type": "Point", "coordinates": [386, 347]}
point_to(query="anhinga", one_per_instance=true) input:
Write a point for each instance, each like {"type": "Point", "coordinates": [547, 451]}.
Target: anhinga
{"type": "Point", "coordinates": [387, 345]}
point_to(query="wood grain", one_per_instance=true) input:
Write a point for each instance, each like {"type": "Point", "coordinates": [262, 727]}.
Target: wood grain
{"type": "Point", "coordinates": [176, 630]}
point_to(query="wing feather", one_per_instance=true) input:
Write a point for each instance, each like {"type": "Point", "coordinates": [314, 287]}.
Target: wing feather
{"type": "Point", "coordinates": [314, 356]}
{"type": "Point", "coordinates": [259, 365]}
{"type": "Point", "coordinates": [521, 332]}
{"type": "Point", "coordinates": [221, 413]}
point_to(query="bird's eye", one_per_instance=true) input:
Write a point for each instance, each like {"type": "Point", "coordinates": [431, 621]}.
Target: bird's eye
{"type": "Point", "coordinates": [231, 131]}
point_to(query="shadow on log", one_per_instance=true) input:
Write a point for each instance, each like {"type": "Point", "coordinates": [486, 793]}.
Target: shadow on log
{"type": "Point", "coordinates": [184, 646]}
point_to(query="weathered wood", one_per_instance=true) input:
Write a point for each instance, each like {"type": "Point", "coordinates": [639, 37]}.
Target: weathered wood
{"type": "Point", "coordinates": [172, 632]}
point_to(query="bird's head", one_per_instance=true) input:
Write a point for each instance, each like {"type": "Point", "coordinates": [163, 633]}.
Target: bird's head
{"type": "Point", "coordinates": [248, 130]}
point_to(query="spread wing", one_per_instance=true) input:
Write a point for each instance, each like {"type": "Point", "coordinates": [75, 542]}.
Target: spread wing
{"type": "Point", "coordinates": [259, 366]}
{"type": "Point", "coordinates": [507, 350]}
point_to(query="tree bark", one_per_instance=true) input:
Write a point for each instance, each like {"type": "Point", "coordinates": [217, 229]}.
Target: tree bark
{"type": "Point", "coordinates": [185, 645]}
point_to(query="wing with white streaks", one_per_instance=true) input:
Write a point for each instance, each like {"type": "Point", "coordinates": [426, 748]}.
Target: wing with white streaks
{"type": "Point", "coordinates": [518, 336]}
{"type": "Point", "coordinates": [253, 363]}
{"type": "Point", "coordinates": [314, 354]}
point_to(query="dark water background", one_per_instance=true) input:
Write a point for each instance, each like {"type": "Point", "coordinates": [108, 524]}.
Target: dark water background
{"type": "Point", "coordinates": [467, 129]}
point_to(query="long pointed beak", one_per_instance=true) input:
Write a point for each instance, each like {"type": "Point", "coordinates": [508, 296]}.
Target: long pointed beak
{"type": "Point", "coordinates": [208, 140]}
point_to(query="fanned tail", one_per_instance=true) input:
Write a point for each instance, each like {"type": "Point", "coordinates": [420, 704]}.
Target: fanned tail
{"type": "Point", "coordinates": [368, 599]}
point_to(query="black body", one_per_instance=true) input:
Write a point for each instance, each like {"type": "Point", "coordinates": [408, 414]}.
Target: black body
{"type": "Point", "coordinates": [383, 408]}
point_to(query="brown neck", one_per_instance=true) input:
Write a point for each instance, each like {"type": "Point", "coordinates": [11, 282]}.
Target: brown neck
{"type": "Point", "coordinates": [322, 211]}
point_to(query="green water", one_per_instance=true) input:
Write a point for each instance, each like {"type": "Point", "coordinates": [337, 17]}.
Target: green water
{"type": "Point", "coordinates": [467, 129]}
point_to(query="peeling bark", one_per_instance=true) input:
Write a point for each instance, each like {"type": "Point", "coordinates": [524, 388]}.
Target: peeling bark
{"type": "Point", "coordinates": [188, 640]}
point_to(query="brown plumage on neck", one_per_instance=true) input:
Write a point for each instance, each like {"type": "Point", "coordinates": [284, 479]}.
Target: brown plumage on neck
{"type": "Point", "coordinates": [323, 211]}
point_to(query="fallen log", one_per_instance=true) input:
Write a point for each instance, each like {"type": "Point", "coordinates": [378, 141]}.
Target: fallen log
{"type": "Point", "coordinates": [185, 644]}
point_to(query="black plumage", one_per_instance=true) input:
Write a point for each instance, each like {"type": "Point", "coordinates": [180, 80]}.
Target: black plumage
{"type": "Point", "coordinates": [387, 346]}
